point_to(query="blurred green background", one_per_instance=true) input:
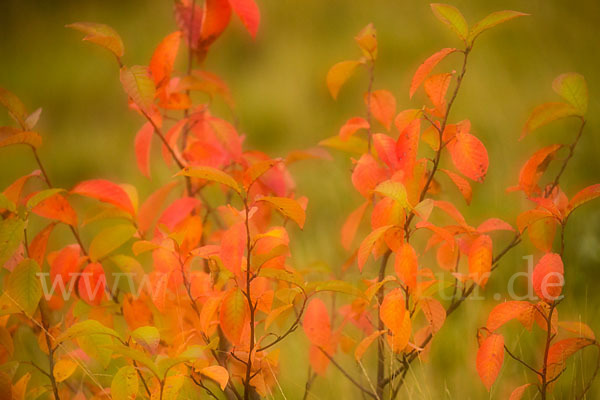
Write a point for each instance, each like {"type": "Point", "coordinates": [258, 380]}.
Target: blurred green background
{"type": "Point", "coordinates": [278, 82]}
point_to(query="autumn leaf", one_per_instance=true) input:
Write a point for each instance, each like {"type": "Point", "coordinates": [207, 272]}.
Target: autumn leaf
{"type": "Point", "coordinates": [289, 208]}
{"type": "Point", "coordinates": [125, 384]}
{"type": "Point", "coordinates": [573, 88]}
{"type": "Point", "coordinates": [338, 74]}
{"type": "Point", "coordinates": [406, 265]}
{"type": "Point", "coordinates": [163, 58]}
{"type": "Point", "coordinates": [139, 86]}
{"type": "Point", "coordinates": [14, 106]}
{"type": "Point", "coordinates": [234, 310]}
{"type": "Point", "coordinates": [463, 186]}
{"type": "Point", "coordinates": [392, 310]}
{"type": "Point", "coordinates": [490, 21]}
{"type": "Point", "coordinates": [351, 225]}
{"type": "Point", "coordinates": [367, 41]}
{"type": "Point", "coordinates": [211, 174]}
{"type": "Point", "coordinates": [480, 259]}
{"type": "Point", "coordinates": [351, 126]}
{"type": "Point", "coordinates": [32, 139]}
{"type": "Point", "coordinates": [490, 357]}
{"type": "Point", "coordinates": [142, 145]}
{"type": "Point", "coordinates": [382, 105]}
{"type": "Point", "coordinates": [436, 87]}
{"type": "Point", "coordinates": [546, 113]}
{"type": "Point", "coordinates": [365, 343]}
{"type": "Point", "coordinates": [518, 392]}
{"type": "Point", "coordinates": [63, 369]}
{"type": "Point", "coordinates": [507, 311]}
{"type": "Point", "coordinates": [469, 156]}
{"type": "Point", "coordinates": [434, 312]}
{"type": "Point", "coordinates": [548, 278]}
{"type": "Point", "coordinates": [452, 18]}
{"type": "Point", "coordinates": [367, 175]}
{"type": "Point", "coordinates": [100, 34]}
{"type": "Point", "coordinates": [316, 323]}
{"type": "Point", "coordinates": [583, 196]}
{"type": "Point", "coordinates": [533, 169]}
{"type": "Point", "coordinates": [249, 14]}
{"type": "Point", "coordinates": [92, 284]}
{"type": "Point", "coordinates": [427, 66]}
{"type": "Point", "coordinates": [105, 191]}
{"type": "Point", "coordinates": [217, 374]}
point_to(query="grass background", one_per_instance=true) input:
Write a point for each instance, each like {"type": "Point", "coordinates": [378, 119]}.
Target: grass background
{"type": "Point", "coordinates": [278, 82]}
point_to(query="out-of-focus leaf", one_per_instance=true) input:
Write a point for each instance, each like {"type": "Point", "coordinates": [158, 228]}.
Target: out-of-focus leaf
{"type": "Point", "coordinates": [102, 35]}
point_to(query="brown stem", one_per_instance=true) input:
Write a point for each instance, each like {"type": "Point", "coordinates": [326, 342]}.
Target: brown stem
{"type": "Point", "coordinates": [380, 326]}
{"type": "Point", "coordinates": [309, 381]}
{"type": "Point", "coordinates": [50, 354]}
{"type": "Point", "coordinates": [549, 337]}
{"type": "Point", "coordinates": [371, 70]}
{"type": "Point", "coordinates": [247, 386]}
{"type": "Point", "coordinates": [569, 156]}
{"type": "Point", "coordinates": [514, 357]}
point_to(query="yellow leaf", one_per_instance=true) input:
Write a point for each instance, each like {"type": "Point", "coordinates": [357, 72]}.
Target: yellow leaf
{"type": "Point", "coordinates": [216, 373]}
{"type": "Point", "coordinates": [63, 369]}
{"type": "Point", "coordinates": [339, 74]}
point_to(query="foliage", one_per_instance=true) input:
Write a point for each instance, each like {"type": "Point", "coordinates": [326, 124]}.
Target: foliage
{"type": "Point", "coordinates": [190, 291]}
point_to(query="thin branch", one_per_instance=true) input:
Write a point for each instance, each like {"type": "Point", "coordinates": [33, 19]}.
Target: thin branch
{"type": "Point", "coordinates": [348, 376]}
{"type": "Point", "coordinates": [569, 156]}
{"type": "Point", "coordinates": [514, 357]}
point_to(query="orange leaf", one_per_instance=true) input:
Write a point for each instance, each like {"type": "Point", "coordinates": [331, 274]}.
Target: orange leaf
{"type": "Point", "coordinates": [217, 374]}
{"type": "Point", "coordinates": [583, 196]}
{"type": "Point", "coordinates": [490, 357]}
{"type": "Point", "coordinates": [351, 126]}
{"type": "Point", "coordinates": [92, 284]}
{"type": "Point", "coordinates": [142, 145]}
{"type": "Point", "coordinates": [505, 312]}
{"type": "Point", "coordinates": [517, 394]}
{"type": "Point", "coordinates": [249, 14]}
{"type": "Point", "coordinates": [58, 208]}
{"type": "Point", "coordinates": [233, 245]}
{"type": "Point", "coordinates": [407, 147]}
{"type": "Point", "coordinates": [351, 225]}
{"type": "Point", "coordinates": [462, 184]}
{"type": "Point", "coordinates": [434, 312]}
{"type": "Point", "coordinates": [392, 310]}
{"type": "Point", "coordinates": [338, 74]}
{"type": "Point", "coordinates": [494, 224]}
{"type": "Point", "coordinates": [367, 41]}
{"type": "Point", "coordinates": [208, 313]}
{"type": "Point", "coordinates": [406, 265]}
{"type": "Point", "coordinates": [469, 156]}
{"type": "Point", "coordinates": [548, 278]}
{"type": "Point", "coordinates": [535, 166]}
{"type": "Point", "coordinates": [425, 68]}
{"type": "Point", "coordinates": [215, 18]}
{"type": "Point", "coordinates": [366, 247]}
{"type": "Point", "coordinates": [436, 87]}
{"type": "Point", "coordinates": [151, 207]}
{"type": "Point", "coordinates": [365, 343]}
{"type": "Point", "coordinates": [317, 325]}
{"type": "Point", "coordinates": [367, 175]}
{"type": "Point", "coordinates": [560, 351]}
{"type": "Point", "coordinates": [105, 191]}
{"type": "Point", "coordinates": [163, 58]}
{"type": "Point", "coordinates": [100, 34]}
{"type": "Point", "coordinates": [480, 259]}
{"type": "Point", "coordinates": [234, 310]}
{"type": "Point", "coordinates": [578, 328]}
{"type": "Point", "coordinates": [542, 232]}
{"type": "Point", "coordinates": [382, 105]}
{"type": "Point", "coordinates": [37, 247]}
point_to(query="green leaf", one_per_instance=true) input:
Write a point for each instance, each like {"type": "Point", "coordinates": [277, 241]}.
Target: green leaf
{"type": "Point", "coordinates": [110, 239]}
{"type": "Point", "coordinates": [41, 196]}
{"type": "Point", "coordinates": [14, 106]}
{"type": "Point", "coordinates": [139, 86]}
{"type": "Point", "coordinates": [546, 113]}
{"type": "Point", "coordinates": [6, 204]}
{"type": "Point", "coordinates": [97, 347]}
{"type": "Point", "coordinates": [282, 275]}
{"type": "Point", "coordinates": [85, 328]}
{"type": "Point", "coordinates": [11, 235]}
{"type": "Point", "coordinates": [394, 190]}
{"type": "Point", "coordinates": [147, 336]}
{"type": "Point", "coordinates": [125, 384]}
{"type": "Point", "coordinates": [573, 88]}
{"type": "Point", "coordinates": [451, 17]}
{"type": "Point", "coordinates": [492, 20]}
{"type": "Point", "coordinates": [24, 286]}
{"type": "Point", "coordinates": [210, 174]}
{"type": "Point", "coordinates": [336, 286]}
{"type": "Point", "coordinates": [136, 356]}
{"type": "Point", "coordinates": [102, 35]}
{"type": "Point", "coordinates": [353, 144]}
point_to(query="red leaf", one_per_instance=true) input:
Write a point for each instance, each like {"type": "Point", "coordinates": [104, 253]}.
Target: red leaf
{"type": "Point", "coordinates": [37, 247]}
{"type": "Point", "coordinates": [215, 18]}
{"type": "Point", "coordinates": [143, 143]}
{"type": "Point", "coordinates": [177, 211]}
{"type": "Point", "coordinates": [351, 126]}
{"type": "Point", "coordinates": [386, 150]}
{"type": "Point", "coordinates": [425, 68]}
{"type": "Point", "coordinates": [407, 146]}
{"type": "Point", "coordinates": [105, 191]}
{"type": "Point", "coordinates": [490, 357]}
{"type": "Point", "coordinates": [469, 156]}
{"type": "Point", "coordinates": [382, 105]}
{"type": "Point", "coordinates": [494, 224]}
{"type": "Point", "coordinates": [248, 12]}
{"type": "Point", "coordinates": [163, 58]}
{"type": "Point", "coordinates": [548, 278]}
{"type": "Point", "coordinates": [317, 325]}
